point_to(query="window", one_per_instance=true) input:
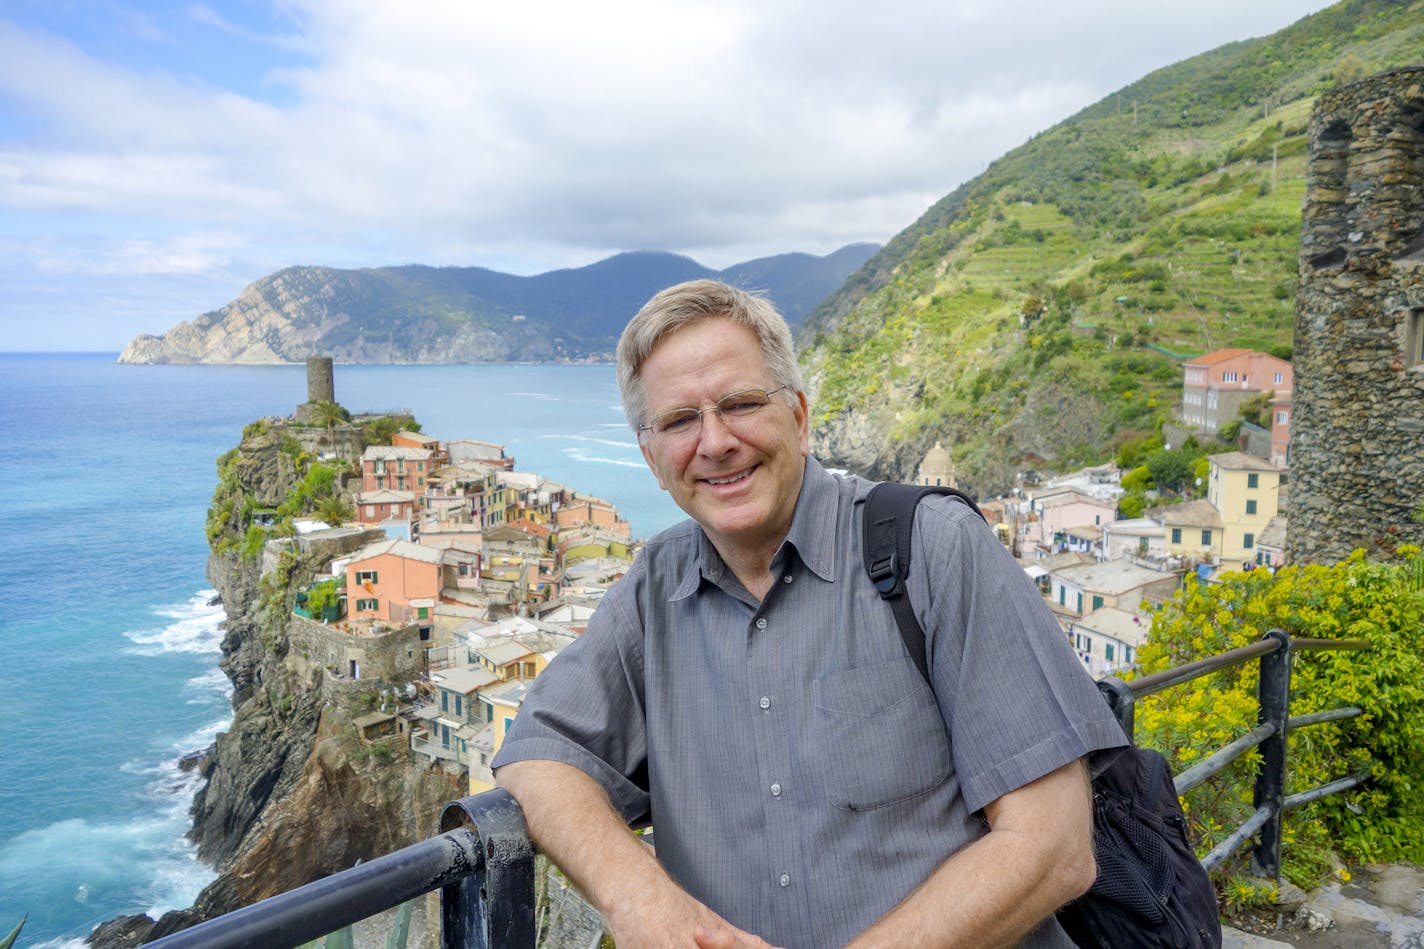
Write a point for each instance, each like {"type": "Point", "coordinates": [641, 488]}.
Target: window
{"type": "Point", "coordinates": [366, 576]}
{"type": "Point", "coordinates": [422, 612]}
{"type": "Point", "coordinates": [1253, 480]}
{"type": "Point", "coordinates": [1228, 377]}
{"type": "Point", "coordinates": [1206, 538]}
{"type": "Point", "coordinates": [1126, 653]}
{"type": "Point", "coordinates": [1248, 541]}
{"type": "Point", "coordinates": [1176, 535]}
{"type": "Point", "coordinates": [1080, 602]}
{"type": "Point", "coordinates": [1278, 378]}
{"type": "Point", "coordinates": [1250, 507]}
{"type": "Point", "coordinates": [1414, 338]}
{"type": "Point", "coordinates": [459, 705]}
{"type": "Point", "coordinates": [1097, 602]}
{"type": "Point", "coordinates": [444, 701]}
{"type": "Point", "coordinates": [1062, 596]}
{"type": "Point", "coordinates": [1282, 417]}
{"type": "Point", "coordinates": [365, 606]}
{"type": "Point", "coordinates": [1108, 652]}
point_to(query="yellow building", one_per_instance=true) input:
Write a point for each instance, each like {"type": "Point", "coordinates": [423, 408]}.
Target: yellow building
{"type": "Point", "coordinates": [1245, 490]}
{"type": "Point", "coordinates": [1193, 531]}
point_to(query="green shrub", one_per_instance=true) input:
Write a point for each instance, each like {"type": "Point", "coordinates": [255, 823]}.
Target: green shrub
{"type": "Point", "coordinates": [1356, 599]}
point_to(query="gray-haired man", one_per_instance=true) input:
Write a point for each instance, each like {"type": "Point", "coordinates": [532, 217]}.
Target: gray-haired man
{"type": "Point", "coordinates": [746, 688]}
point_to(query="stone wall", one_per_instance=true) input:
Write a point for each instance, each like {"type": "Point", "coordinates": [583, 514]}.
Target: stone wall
{"type": "Point", "coordinates": [393, 658]}
{"type": "Point", "coordinates": [1357, 432]}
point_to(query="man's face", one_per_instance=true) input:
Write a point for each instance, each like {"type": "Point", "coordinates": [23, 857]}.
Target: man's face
{"type": "Point", "coordinates": [740, 483]}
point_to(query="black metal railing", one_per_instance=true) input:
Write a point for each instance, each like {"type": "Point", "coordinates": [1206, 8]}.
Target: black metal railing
{"type": "Point", "coordinates": [1274, 724]}
{"type": "Point", "coordinates": [483, 861]}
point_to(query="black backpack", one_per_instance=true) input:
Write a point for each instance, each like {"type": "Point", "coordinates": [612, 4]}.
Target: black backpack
{"type": "Point", "coordinates": [1151, 890]}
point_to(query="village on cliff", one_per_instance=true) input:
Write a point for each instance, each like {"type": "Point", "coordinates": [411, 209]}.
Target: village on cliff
{"type": "Point", "coordinates": [458, 578]}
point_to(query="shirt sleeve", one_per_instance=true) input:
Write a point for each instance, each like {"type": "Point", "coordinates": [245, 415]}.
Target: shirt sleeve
{"type": "Point", "coordinates": [586, 708]}
{"type": "Point", "coordinates": [1016, 700]}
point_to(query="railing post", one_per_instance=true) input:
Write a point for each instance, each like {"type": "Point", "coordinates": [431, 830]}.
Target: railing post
{"type": "Point", "coordinates": [1118, 695]}
{"type": "Point", "coordinates": [1273, 693]}
{"type": "Point", "coordinates": [493, 909]}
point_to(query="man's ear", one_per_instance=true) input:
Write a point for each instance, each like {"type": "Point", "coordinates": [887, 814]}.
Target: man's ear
{"type": "Point", "coordinates": [802, 411]}
{"type": "Point", "coordinates": [648, 457]}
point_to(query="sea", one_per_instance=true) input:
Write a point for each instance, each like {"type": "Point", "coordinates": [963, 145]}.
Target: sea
{"type": "Point", "coordinates": [109, 639]}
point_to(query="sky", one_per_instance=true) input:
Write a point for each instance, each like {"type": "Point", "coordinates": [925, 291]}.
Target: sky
{"type": "Point", "coordinates": [157, 157]}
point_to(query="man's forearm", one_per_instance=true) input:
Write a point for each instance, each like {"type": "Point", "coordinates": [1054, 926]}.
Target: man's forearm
{"type": "Point", "coordinates": [1036, 857]}
{"type": "Point", "coordinates": [573, 823]}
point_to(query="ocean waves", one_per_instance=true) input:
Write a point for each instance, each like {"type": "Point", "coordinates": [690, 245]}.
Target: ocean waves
{"type": "Point", "coordinates": [194, 627]}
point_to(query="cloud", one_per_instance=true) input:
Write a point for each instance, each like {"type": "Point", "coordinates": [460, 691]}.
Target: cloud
{"type": "Point", "coordinates": [526, 138]}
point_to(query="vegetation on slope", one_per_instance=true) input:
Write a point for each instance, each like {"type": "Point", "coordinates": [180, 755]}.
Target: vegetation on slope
{"type": "Point", "coordinates": [1039, 313]}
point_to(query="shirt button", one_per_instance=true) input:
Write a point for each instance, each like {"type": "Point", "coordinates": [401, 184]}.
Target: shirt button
{"type": "Point", "coordinates": [786, 579]}
{"type": "Point", "coordinates": [776, 790]}
{"type": "Point", "coordinates": [761, 622]}
{"type": "Point", "coordinates": [785, 879]}
{"type": "Point", "coordinates": [765, 703]}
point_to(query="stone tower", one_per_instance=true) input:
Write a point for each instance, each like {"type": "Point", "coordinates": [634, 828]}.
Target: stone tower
{"type": "Point", "coordinates": [321, 386]}
{"type": "Point", "coordinates": [1357, 433]}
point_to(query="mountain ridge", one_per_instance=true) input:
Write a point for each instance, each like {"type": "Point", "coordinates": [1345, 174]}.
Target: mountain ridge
{"type": "Point", "coordinates": [415, 313]}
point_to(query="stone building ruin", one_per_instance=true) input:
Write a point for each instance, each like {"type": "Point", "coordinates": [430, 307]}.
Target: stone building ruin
{"type": "Point", "coordinates": [1357, 434]}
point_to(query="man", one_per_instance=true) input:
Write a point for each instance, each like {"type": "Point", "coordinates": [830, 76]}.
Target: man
{"type": "Point", "coordinates": [745, 687]}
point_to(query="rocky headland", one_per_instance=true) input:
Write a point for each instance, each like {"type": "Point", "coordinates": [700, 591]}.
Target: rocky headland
{"type": "Point", "coordinates": [291, 795]}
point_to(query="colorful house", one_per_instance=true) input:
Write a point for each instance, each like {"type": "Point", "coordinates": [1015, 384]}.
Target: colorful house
{"type": "Point", "coordinates": [1215, 385]}
{"type": "Point", "coordinates": [384, 579]}
{"type": "Point", "coordinates": [1245, 490]}
{"type": "Point", "coordinates": [1107, 639]}
{"type": "Point", "coordinates": [1194, 531]}
{"type": "Point", "coordinates": [1054, 518]}
{"type": "Point", "coordinates": [397, 467]}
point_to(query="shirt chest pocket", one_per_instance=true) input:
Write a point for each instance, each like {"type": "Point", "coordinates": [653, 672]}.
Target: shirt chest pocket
{"type": "Point", "coordinates": [877, 737]}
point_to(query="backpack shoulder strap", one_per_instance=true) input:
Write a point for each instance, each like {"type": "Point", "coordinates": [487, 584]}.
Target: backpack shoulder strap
{"type": "Point", "coordinates": [887, 523]}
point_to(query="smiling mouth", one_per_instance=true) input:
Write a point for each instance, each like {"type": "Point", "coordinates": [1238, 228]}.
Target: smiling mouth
{"type": "Point", "coordinates": [732, 479]}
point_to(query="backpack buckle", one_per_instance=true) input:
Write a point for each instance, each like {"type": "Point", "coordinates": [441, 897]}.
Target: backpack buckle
{"type": "Point", "coordinates": [885, 574]}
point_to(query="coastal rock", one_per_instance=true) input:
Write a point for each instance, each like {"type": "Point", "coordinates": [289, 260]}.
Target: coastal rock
{"type": "Point", "coordinates": [291, 793]}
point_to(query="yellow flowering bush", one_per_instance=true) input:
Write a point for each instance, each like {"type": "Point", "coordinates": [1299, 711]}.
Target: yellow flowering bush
{"type": "Point", "coordinates": [1383, 819]}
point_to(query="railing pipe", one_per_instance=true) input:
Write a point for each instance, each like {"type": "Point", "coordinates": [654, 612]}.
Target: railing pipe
{"type": "Point", "coordinates": [1325, 790]}
{"type": "Point", "coordinates": [1273, 694]}
{"type": "Point", "coordinates": [1239, 836]}
{"type": "Point", "coordinates": [1320, 718]}
{"type": "Point", "coordinates": [1210, 765]}
{"type": "Point", "coordinates": [331, 903]}
{"type": "Point", "coordinates": [1167, 678]}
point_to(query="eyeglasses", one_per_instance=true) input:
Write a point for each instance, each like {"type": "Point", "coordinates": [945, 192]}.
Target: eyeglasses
{"type": "Point", "coordinates": [734, 410]}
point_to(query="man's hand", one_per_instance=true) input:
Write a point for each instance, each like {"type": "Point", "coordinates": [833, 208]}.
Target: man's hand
{"type": "Point", "coordinates": [572, 821]}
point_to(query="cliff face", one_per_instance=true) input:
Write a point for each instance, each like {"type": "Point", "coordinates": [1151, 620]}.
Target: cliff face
{"type": "Point", "coordinates": [292, 794]}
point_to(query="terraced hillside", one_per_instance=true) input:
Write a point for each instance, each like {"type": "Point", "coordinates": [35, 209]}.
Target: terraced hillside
{"type": "Point", "coordinates": [1038, 314]}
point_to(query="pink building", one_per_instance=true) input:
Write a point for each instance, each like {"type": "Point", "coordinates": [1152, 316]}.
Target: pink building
{"type": "Point", "coordinates": [1215, 385]}
{"type": "Point", "coordinates": [399, 468]}
{"type": "Point", "coordinates": [591, 511]}
{"type": "Point", "coordinates": [1280, 428]}
{"type": "Point", "coordinates": [398, 582]}
{"type": "Point", "coordinates": [375, 507]}
{"type": "Point", "coordinates": [1068, 520]}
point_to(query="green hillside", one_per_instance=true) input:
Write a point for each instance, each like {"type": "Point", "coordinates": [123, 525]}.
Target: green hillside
{"type": "Point", "coordinates": [1037, 315]}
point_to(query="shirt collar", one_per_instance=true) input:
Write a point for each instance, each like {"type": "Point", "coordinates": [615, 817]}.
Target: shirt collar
{"type": "Point", "coordinates": [812, 534]}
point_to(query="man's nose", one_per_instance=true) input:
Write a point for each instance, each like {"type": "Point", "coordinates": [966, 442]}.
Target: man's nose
{"type": "Point", "coordinates": [716, 437]}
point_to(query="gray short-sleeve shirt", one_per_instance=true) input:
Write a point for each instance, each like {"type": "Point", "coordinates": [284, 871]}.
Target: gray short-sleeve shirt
{"type": "Point", "coordinates": [801, 776]}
